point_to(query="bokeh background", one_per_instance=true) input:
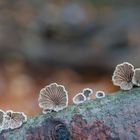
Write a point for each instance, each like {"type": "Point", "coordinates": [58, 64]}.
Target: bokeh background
{"type": "Point", "coordinates": [76, 43]}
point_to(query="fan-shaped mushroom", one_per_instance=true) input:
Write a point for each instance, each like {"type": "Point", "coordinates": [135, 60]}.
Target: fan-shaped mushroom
{"type": "Point", "coordinates": [53, 97]}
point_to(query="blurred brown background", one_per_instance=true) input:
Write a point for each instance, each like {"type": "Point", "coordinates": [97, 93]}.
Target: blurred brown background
{"type": "Point", "coordinates": [74, 43]}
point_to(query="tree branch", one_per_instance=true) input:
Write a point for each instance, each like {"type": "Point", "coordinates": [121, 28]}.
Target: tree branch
{"type": "Point", "coordinates": [115, 117]}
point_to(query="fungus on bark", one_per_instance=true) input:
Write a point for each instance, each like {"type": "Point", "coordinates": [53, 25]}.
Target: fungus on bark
{"type": "Point", "coordinates": [136, 77]}
{"type": "Point", "coordinates": [79, 98]}
{"type": "Point", "coordinates": [13, 119]}
{"type": "Point", "coordinates": [53, 97]}
{"type": "Point", "coordinates": [122, 76]}
{"type": "Point", "coordinates": [87, 93]}
{"type": "Point", "coordinates": [100, 94]}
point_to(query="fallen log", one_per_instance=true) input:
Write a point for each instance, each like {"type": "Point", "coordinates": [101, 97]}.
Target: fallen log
{"type": "Point", "coordinates": [115, 117]}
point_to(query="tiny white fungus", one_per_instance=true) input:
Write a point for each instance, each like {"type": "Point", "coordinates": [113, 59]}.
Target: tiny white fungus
{"type": "Point", "coordinates": [87, 93]}
{"type": "Point", "coordinates": [79, 98]}
{"type": "Point", "coordinates": [100, 94]}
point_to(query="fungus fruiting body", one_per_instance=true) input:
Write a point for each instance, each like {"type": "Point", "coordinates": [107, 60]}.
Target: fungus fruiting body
{"type": "Point", "coordinates": [87, 93]}
{"type": "Point", "coordinates": [123, 76]}
{"type": "Point", "coordinates": [53, 97]}
{"type": "Point", "coordinates": [79, 98]}
{"type": "Point", "coordinates": [136, 77]}
{"type": "Point", "coordinates": [100, 94]}
{"type": "Point", "coordinates": [13, 119]}
{"type": "Point", "coordinates": [1, 119]}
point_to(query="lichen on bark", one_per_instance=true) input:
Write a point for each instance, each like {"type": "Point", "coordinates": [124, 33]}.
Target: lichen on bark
{"type": "Point", "coordinates": [116, 117]}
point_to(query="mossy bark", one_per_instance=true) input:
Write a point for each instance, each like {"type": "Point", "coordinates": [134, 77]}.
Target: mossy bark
{"type": "Point", "coordinates": [115, 117]}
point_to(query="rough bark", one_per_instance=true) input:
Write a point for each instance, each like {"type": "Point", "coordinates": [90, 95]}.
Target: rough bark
{"type": "Point", "coordinates": [115, 117]}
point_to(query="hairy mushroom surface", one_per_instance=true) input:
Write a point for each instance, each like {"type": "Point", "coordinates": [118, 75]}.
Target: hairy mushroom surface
{"type": "Point", "coordinates": [100, 94]}
{"type": "Point", "coordinates": [53, 97]}
{"type": "Point", "coordinates": [79, 98]}
{"type": "Point", "coordinates": [122, 76]}
{"type": "Point", "coordinates": [136, 77]}
{"type": "Point", "coordinates": [13, 120]}
{"type": "Point", "coordinates": [87, 92]}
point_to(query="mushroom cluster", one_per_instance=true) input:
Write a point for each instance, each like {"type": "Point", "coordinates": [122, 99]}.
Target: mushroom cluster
{"type": "Point", "coordinates": [86, 95]}
{"type": "Point", "coordinates": [83, 96]}
{"type": "Point", "coordinates": [126, 76]}
{"type": "Point", "coordinates": [54, 97]}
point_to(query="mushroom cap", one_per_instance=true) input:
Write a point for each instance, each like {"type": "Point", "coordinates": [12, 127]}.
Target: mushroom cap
{"type": "Point", "coordinates": [87, 92]}
{"type": "Point", "coordinates": [13, 119]}
{"type": "Point", "coordinates": [100, 94]}
{"type": "Point", "coordinates": [122, 76]}
{"type": "Point", "coordinates": [79, 98]}
{"type": "Point", "coordinates": [136, 77]}
{"type": "Point", "coordinates": [53, 97]}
